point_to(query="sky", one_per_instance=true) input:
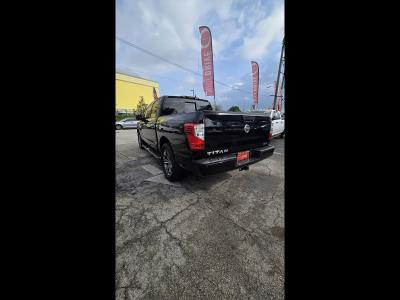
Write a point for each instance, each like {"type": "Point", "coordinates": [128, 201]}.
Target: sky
{"type": "Point", "coordinates": [241, 30]}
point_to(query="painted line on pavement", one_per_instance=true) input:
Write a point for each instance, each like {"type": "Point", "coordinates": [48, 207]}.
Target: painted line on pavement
{"type": "Point", "coordinates": [161, 179]}
{"type": "Point", "coordinates": [152, 170]}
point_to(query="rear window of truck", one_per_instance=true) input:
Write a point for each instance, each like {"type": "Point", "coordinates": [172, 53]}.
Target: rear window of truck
{"type": "Point", "coordinates": [181, 105]}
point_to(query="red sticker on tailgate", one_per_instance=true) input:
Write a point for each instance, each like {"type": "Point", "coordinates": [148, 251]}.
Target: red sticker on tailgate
{"type": "Point", "coordinates": [243, 156]}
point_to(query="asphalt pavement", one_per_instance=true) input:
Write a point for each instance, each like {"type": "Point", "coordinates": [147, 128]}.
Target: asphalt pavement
{"type": "Point", "coordinates": [217, 237]}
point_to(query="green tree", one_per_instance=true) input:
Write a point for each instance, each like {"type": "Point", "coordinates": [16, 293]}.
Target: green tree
{"type": "Point", "coordinates": [141, 107]}
{"type": "Point", "coordinates": [234, 108]}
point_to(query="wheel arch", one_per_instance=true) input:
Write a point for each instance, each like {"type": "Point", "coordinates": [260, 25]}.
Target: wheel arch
{"type": "Point", "coordinates": [164, 140]}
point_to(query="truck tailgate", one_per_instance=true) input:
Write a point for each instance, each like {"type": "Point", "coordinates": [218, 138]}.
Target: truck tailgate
{"type": "Point", "coordinates": [225, 132]}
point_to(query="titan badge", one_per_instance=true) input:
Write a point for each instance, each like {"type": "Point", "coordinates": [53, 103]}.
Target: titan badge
{"type": "Point", "coordinates": [217, 152]}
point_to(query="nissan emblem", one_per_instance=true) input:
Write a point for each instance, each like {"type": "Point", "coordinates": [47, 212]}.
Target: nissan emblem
{"type": "Point", "coordinates": [247, 128]}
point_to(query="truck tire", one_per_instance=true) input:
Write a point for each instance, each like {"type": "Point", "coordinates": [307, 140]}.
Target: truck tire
{"type": "Point", "coordinates": [140, 142]}
{"type": "Point", "coordinates": [172, 170]}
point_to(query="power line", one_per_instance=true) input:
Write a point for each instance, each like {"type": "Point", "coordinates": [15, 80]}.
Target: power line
{"type": "Point", "coordinates": [155, 75]}
{"type": "Point", "coordinates": [157, 56]}
{"type": "Point", "coordinates": [177, 65]}
{"type": "Point", "coordinates": [134, 82]}
{"type": "Point", "coordinates": [137, 72]}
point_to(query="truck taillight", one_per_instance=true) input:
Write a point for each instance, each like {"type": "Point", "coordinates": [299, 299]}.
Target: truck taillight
{"type": "Point", "coordinates": [195, 135]}
{"type": "Point", "coordinates": [270, 135]}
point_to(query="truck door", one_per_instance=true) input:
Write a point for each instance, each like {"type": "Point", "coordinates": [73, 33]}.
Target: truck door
{"type": "Point", "coordinates": [275, 123]}
{"type": "Point", "coordinates": [151, 125]}
{"type": "Point", "coordinates": [145, 131]}
{"type": "Point", "coordinates": [280, 123]}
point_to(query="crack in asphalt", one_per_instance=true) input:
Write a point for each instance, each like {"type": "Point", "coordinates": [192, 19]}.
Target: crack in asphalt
{"type": "Point", "coordinates": [270, 199]}
{"type": "Point", "coordinates": [133, 241]}
{"type": "Point", "coordinates": [269, 169]}
{"type": "Point", "coordinates": [173, 237]}
{"type": "Point", "coordinates": [250, 232]}
{"type": "Point", "coordinates": [133, 285]}
{"type": "Point", "coordinates": [222, 183]}
{"type": "Point", "coordinates": [179, 212]}
{"type": "Point", "coordinates": [122, 154]}
{"type": "Point", "coordinates": [129, 242]}
{"type": "Point", "coordinates": [162, 224]}
{"type": "Point", "coordinates": [277, 215]}
{"type": "Point", "coordinates": [128, 288]}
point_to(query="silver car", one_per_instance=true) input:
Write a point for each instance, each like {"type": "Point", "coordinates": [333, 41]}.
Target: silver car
{"type": "Point", "coordinates": [126, 123]}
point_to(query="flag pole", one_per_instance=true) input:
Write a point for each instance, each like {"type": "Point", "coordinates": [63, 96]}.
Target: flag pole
{"type": "Point", "coordinates": [215, 103]}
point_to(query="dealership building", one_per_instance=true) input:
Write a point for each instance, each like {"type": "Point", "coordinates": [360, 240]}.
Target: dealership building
{"type": "Point", "coordinates": [129, 89]}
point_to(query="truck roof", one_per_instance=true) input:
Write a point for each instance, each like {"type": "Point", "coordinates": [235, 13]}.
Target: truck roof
{"type": "Point", "coordinates": [184, 97]}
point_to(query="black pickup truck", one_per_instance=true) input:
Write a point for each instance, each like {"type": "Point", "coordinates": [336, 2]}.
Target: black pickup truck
{"type": "Point", "coordinates": [185, 133]}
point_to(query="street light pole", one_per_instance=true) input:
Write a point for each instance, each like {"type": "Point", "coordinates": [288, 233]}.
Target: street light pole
{"type": "Point", "coordinates": [192, 92]}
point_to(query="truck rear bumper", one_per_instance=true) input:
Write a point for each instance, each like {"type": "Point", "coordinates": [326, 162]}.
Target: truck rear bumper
{"type": "Point", "coordinates": [228, 162]}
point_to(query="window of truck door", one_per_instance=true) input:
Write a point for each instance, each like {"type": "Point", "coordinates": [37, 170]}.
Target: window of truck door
{"type": "Point", "coordinates": [148, 110]}
{"type": "Point", "coordinates": [154, 109]}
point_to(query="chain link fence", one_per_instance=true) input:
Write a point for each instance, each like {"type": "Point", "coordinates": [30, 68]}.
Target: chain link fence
{"type": "Point", "coordinates": [127, 112]}
{"type": "Point", "coordinates": [124, 113]}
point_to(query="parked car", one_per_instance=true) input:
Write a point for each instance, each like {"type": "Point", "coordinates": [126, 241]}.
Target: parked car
{"type": "Point", "coordinates": [186, 134]}
{"type": "Point", "coordinates": [126, 123]}
{"type": "Point", "coordinates": [278, 122]}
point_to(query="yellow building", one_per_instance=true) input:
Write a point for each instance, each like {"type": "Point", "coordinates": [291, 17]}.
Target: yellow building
{"type": "Point", "coordinates": [129, 89]}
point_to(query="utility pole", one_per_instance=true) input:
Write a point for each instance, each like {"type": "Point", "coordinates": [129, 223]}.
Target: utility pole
{"type": "Point", "coordinates": [192, 92]}
{"type": "Point", "coordinates": [279, 73]}
{"type": "Point", "coordinates": [283, 81]}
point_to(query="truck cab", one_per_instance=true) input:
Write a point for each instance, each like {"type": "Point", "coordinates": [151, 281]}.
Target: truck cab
{"type": "Point", "coordinates": [277, 122]}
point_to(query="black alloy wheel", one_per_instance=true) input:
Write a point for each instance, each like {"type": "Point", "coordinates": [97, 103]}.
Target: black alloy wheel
{"type": "Point", "coordinates": [172, 170]}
